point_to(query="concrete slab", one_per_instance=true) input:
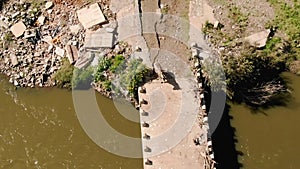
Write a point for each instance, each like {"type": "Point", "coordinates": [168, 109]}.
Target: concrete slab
{"type": "Point", "coordinates": [98, 40]}
{"type": "Point", "coordinates": [90, 16]}
{"type": "Point", "coordinates": [85, 58]}
{"type": "Point", "coordinates": [18, 29]}
{"type": "Point", "coordinates": [72, 53]}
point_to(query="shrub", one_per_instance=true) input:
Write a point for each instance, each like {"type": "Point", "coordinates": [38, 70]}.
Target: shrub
{"type": "Point", "coordinates": [63, 76]}
{"type": "Point", "coordinates": [82, 78]}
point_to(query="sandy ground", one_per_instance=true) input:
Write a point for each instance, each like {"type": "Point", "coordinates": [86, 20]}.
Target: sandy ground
{"type": "Point", "coordinates": [259, 13]}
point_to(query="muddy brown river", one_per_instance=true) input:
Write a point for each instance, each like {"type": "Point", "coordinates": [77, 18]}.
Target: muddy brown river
{"type": "Point", "coordinates": [269, 138]}
{"type": "Point", "coordinates": [39, 129]}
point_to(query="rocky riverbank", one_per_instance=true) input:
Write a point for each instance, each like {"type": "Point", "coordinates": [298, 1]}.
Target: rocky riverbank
{"type": "Point", "coordinates": [37, 35]}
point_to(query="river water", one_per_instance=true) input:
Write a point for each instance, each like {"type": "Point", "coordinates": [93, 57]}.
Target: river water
{"type": "Point", "coordinates": [269, 138]}
{"type": "Point", "coordinates": [39, 129]}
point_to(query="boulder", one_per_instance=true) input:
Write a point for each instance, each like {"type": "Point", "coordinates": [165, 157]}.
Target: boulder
{"type": "Point", "coordinates": [259, 39]}
{"type": "Point", "coordinates": [18, 29]}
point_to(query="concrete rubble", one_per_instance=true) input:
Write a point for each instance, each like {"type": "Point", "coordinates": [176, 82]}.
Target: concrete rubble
{"type": "Point", "coordinates": [72, 53]}
{"type": "Point", "coordinates": [35, 40]}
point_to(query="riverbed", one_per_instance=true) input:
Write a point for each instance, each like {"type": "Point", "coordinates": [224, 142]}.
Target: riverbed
{"type": "Point", "coordinates": [39, 129]}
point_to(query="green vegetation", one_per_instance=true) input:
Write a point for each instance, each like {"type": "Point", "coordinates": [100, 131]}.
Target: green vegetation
{"type": "Point", "coordinates": [116, 62]}
{"type": "Point", "coordinates": [63, 76]}
{"type": "Point", "coordinates": [8, 37]}
{"type": "Point", "coordinates": [130, 74]}
{"type": "Point", "coordinates": [237, 16]}
{"type": "Point", "coordinates": [104, 65]}
{"type": "Point", "coordinates": [252, 75]}
{"type": "Point", "coordinates": [37, 4]}
{"type": "Point", "coordinates": [7, 40]}
{"type": "Point", "coordinates": [165, 9]}
{"type": "Point", "coordinates": [82, 78]}
{"type": "Point", "coordinates": [254, 70]}
{"type": "Point", "coordinates": [287, 20]}
{"type": "Point", "coordinates": [133, 76]}
{"type": "Point", "coordinates": [215, 75]}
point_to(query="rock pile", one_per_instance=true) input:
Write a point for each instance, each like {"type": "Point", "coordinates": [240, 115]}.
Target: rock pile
{"type": "Point", "coordinates": [35, 37]}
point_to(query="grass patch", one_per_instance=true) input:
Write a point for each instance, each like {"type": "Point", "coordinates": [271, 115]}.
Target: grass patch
{"type": "Point", "coordinates": [8, 37]}
{"type": "Point", "coordinates": [238, 17]}
{"type": "Point", "coordinates": [287, 20]}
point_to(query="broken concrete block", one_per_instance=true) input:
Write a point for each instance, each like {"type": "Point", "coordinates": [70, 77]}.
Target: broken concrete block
{"type": "Point", "coordinates": [48, 5]}
{"type": "Point", "coordinates": [72, 53]}
{"type": "Point", "coordinates": [41, 20]}
{"type": "Point", "coordinates": [84, 59]}
{"type": "Point", "coordinates": [75, 29]}
{"type": "Point", "coordinates": [59, 51]}
{"type": "Point", "coordinates": [14, 60]}
{"type": "Point", "coordinates": [259, 39]}
{"type": "Point", "coordinates": [90, 16]}
{"type": "Point", "coordinates": [47, 39]}
{"type": "Point", "coordinates": [15, 14]}
{"type": "Point", "coordinates": [98, 40]}
{"type": "Point", "coordinates": [18, 29]}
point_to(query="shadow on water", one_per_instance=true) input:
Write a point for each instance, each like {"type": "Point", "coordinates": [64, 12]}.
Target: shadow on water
{"type": "Point", "coordinates": [280, 100]}
{"type": "Point", "coordinates": [224, 143]}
